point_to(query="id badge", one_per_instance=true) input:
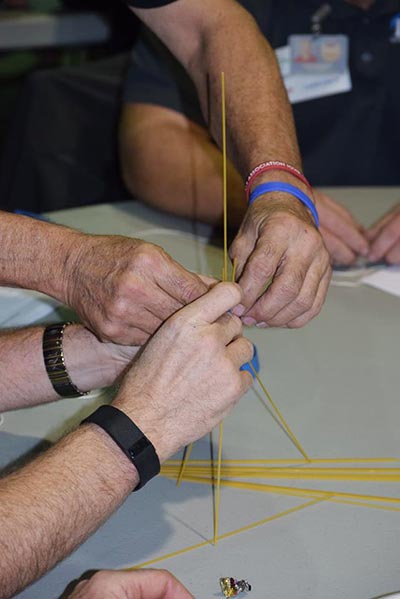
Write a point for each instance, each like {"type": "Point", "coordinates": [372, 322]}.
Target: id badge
{"type": "Point", "coordinates": [305, 87]}
{"type": "Point", "coordinates": [319, 55]}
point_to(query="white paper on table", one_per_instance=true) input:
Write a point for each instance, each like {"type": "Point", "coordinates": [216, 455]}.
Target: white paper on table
{"type": "Point", "coordinates": [22, 307]}
{"type": "Point", "coordinates": [387, 279]}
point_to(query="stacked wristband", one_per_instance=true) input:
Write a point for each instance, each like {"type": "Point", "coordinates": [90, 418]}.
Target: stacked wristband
{"type": "Point", "coordinates": [274, 165]}
{"type": "Point", "coordinates": [286, 188]}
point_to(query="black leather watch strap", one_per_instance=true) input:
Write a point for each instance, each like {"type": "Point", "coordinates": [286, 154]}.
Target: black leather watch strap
{"type": "Point", "coordinates": [130, 439]}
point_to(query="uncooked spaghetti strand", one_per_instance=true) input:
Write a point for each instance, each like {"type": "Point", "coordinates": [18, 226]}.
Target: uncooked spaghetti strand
{"type": "Point", "coordinates": [279, 415]}
{"type": "Point", "coordinates": [298, 492]}
{"type": "Point", "coordinates": [218, 485]}
{"type": "Point", "coordinates": [229, 534]}
{"type": "Point", "coordinates": [224, 176]}
{"type": "Point", "coordinates": [185, 459]}
{"type": "Point", "coordinates": [292, 461]}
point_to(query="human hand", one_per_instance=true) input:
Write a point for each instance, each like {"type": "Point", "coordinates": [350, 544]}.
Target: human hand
{"type": "Point", "coordinates": [90, 363]}
{"type": "Point", "coordinates": [187, 378]}
{"type": "Point", "coordinates": [123, 289]}
{"type": "Point", "coordinates": [278, 242]}
{"type": "Point", "coordinates": [139, 584]}
{"type": "Point", "coordinates": [344, 237]}
{"type": "Point", "coordinates": [384, 237]}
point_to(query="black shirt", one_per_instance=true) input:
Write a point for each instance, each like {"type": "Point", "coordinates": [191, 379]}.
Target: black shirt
{"type": "Point", "coordinates": [346, 139]}
{"type": "Point", "coordinates": [148, 3]}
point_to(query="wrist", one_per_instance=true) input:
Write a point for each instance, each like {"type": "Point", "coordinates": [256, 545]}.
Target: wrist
{"type": "Point", "coordinates": [283, 177]}
{"type": "Point", "coordinates": [293, 193]}
{"type": "Point", "coordinates": [89, 363]}
{"type": "Point", "coordinates": [104, 445]}
{"type": "Point", "coordinates": [152, 425]}
{"type": "Point", "coordinates": [273, 203]}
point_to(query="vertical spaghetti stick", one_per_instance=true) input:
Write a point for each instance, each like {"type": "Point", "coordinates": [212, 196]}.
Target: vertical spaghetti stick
{"type": "Point", "coordinates": [280, 416]}
{"type": "Point", "coordinates": [224, 178]}
{"type": "Point", "coordinates": [185, 459]}
{"type": "Point", "coordinates": [224, 278]}
{"type": "Point", "coordinates": [218, 489]}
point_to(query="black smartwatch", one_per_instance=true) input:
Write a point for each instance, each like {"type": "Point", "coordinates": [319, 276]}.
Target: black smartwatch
{"type": "Point", "coordinates": [130, 439]}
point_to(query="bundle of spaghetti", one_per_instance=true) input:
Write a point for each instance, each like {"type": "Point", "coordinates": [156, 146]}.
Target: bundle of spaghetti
{"type": "Point", "coordinates": [311, 473]}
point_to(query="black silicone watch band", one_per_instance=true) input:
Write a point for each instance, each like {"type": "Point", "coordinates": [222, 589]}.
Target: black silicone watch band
{"type": "Point", "coordinates": [130, 439]}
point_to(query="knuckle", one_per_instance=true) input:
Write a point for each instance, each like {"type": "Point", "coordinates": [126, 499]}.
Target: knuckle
{"type": "Point", "coordinates": [109, 330]}
{"type": "Point", "coordinates": [291, 286]}
{"type": "Point", "coordinates": [118, 309]}
{"type": "Point", "coordinates": [148, 255]}
{"type": "Point", "coordinates": [189, 290]}
{"type": "Point", "coordinates": [304, 303]}
{"type": "Point", "coordinates": [232, 290]}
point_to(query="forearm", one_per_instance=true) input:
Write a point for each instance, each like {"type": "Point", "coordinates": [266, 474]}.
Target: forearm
{"type": "Point", "coordinates": [35, 254]}
{"type": "Point", "coordinates": [189, 165]}
{"type": "Point", "coordinates": [53, 504]}
{"type": "Point", "coordinates": [259, 119]}
{"type": "Point", "coordinates": [23, 377]}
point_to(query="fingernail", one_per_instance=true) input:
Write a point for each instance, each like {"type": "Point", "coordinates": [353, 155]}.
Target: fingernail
{"type": "Point", "coordinates": [239, 310]}
{"type": "Point", "coordinates": [249, 321]}
{"type": "Point", "coordinates": [261, 325]}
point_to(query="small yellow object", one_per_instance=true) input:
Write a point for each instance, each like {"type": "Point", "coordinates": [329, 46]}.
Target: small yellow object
{"type": "Point", "coordinates": [231, 587]}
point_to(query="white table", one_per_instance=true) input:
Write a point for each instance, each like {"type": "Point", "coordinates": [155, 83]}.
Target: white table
{"type": "Point", "coordinates": [336, 381]}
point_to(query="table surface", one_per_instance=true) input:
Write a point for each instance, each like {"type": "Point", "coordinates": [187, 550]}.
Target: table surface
{"type": "Point", "coordinates": [337, 383]}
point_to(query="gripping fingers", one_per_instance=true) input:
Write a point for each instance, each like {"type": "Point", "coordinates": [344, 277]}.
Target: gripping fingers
{"type": "Point", "coordinates": [240, 351]}
{"type": "Point", "coordinates": [260, 267]}
{"type": "Point", "coordinates": [317, 305]}
{"type": "Point", "coordinates": [229, 327]}
{"type": "Point", "coordinates": [213, 304]}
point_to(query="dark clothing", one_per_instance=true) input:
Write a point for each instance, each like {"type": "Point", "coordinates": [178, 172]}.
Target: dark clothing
{"type": "Point", "coordinates": [62, 147]}
{"type": "Point", "coordinates": [148, 3]}
{"type": "Point", "coordinates": [346, 139]}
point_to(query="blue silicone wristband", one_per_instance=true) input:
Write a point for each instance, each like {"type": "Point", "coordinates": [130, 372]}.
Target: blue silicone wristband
{"type": "Point", "coordinates": [287, 188]}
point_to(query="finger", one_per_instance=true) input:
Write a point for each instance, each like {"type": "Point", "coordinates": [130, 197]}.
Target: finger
{"type": "Point", "coordinates": [300, 303]}
{"type": "Point", "coordinates": [242, 246]}
{"type": "Point", "coordinates": [318, 303]}
{"type": "Point", "coordinates": [348, 232]}
{"type": "Point", "coordinates": [229, 327]}
{"type": "Point", "coordinates": [259, 270]}
{"type": "Point", "coordinates": [284, 289]}
{"type": "Point", "coordinates": [381, 223]}
{"type": "Point", "coordinates": [209, 281]}
{"type": "Point", "coordinates": [335, 206]}
{"type": "Point", "coordinates": [388, 237]}
{"type": "Point", "coordinates": [180, 284]}
{"type": "Point", "coordinates": [376, 229]}
{"type": "Point", "coordinates": [240, 351]}
{"type": "Point", "coordinates": [209, 307]}
{"type": "Point", "coordinates": [154, 584]}
{"type": "Point", "coordinates": [340, 253]}
{"type": "Point", "coordinates": [393, 255]}
{"type": "Point", "coordinates": [162, 304]}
